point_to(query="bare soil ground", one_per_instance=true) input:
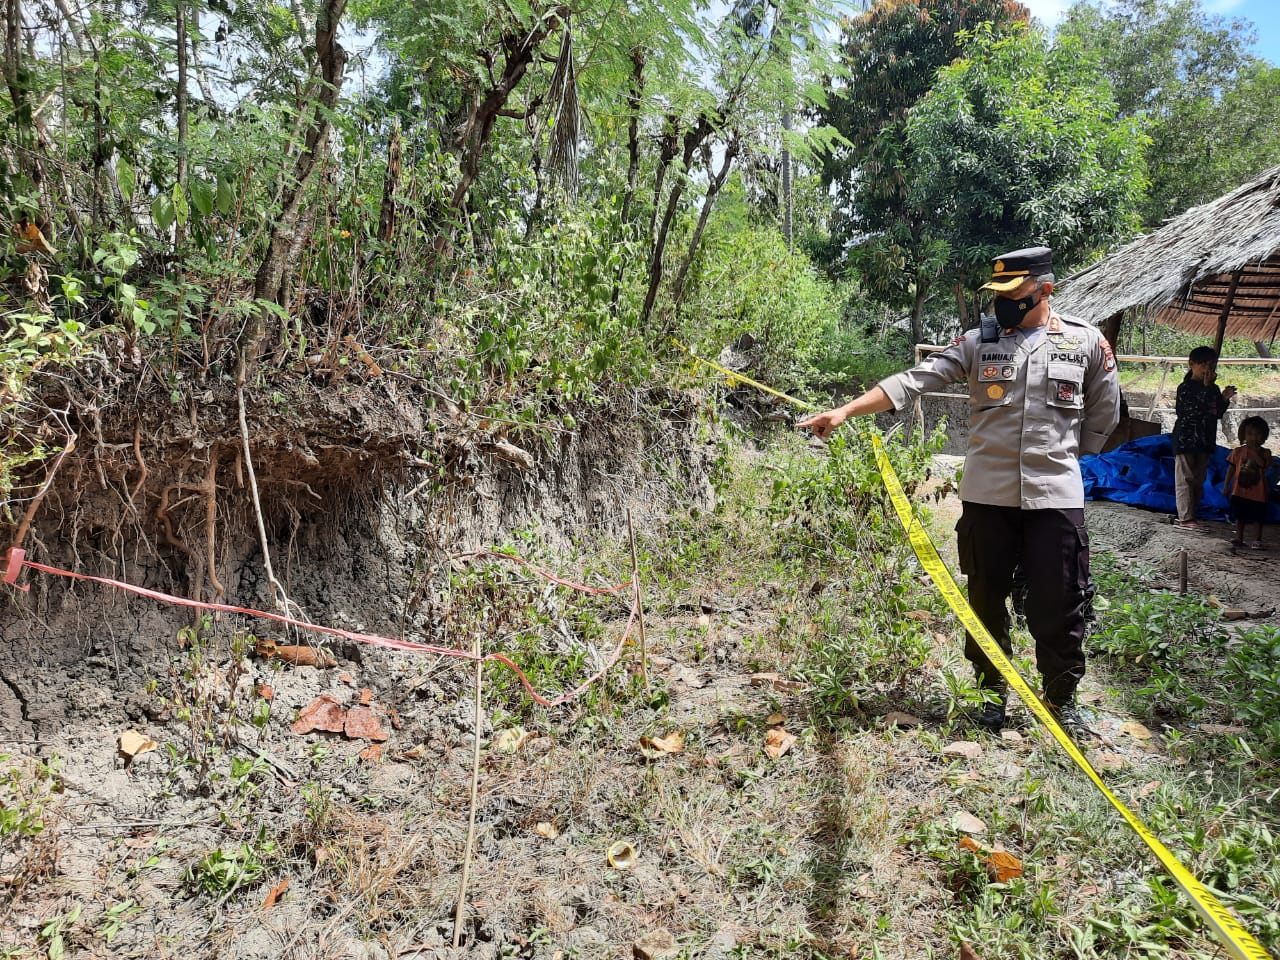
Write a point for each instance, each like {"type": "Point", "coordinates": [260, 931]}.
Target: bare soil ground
{"type": "Point", "coordinates": [243, 839]}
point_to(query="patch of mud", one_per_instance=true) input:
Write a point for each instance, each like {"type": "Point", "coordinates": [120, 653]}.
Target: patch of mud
{"type": "Point", "coordinates": [1246, 580]}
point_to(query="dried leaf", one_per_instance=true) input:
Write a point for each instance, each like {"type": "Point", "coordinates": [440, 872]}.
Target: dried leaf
{"type": "Point", "coordinates": [775, 719]}
{"type": "Point", "coordinates": [920, 616]}
{"type": "Point", "coordinates": [1108, 761]}
{"type": "Point", "coordinates": [655, 945]}
{"type": "Point", "coordinates": [688, 676]}
{"type": "Point", "coordinates": [1135, 730]}
{"type": "Point", "coordinates": [1003, 866]}
{"type": "Point", "coordinates": [265, 691]}
{"type": "Point", "coordinates": [29, 239]}
{"type": "Point", "coordinates": [296, 655]}
{"type": "Point", "coordinates": [276, 893]}
{"type": "Point", "coordinates": [546, 830]}
{"type": "Point", "coordinates": [362, 724]}
{"type": "Point", "coordinates": [963, 748]}
{"type": "Point", "coordinates": [967, 823]}
{"type": "Point", "coordinates": [323, 713]}
{"type": "Point", "coordinates": [653, 747]}
{"type": "Point", "coordinates": [777, 681]}
{"type": "Point", "coordinates": [133, 743]}
{"type": "Point", "coordinates": [509, 741]}
{"type": "Point", "coordinates": [777, 742]}
{"type": "Point", "coordinates": [1148, 788]}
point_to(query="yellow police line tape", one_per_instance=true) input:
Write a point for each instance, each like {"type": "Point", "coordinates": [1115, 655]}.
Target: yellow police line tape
{"type": "Point", "coordinates": [1232, 934]}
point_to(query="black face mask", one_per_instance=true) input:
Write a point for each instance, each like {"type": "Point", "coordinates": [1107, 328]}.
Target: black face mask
{"type": "Point", "coordinates": [1011, 313]}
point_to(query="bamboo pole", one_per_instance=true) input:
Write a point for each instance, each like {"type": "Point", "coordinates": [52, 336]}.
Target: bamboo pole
{"type": "Point", "coordinates": [638, 598]}
{"type": "Point", "coordinates": [1155, 397]}
{"type": "Point", "coordinates": [475, 791]}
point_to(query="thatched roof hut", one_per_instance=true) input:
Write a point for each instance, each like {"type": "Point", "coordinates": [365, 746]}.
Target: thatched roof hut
{"type": "Point", "coordinates": [1214, 270]}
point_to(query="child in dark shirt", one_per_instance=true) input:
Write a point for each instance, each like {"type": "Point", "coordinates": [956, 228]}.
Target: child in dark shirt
{"type": "Point", "coordinates": [1246, 482]}
{"type": "Point", "coordinates": [1200, 405]}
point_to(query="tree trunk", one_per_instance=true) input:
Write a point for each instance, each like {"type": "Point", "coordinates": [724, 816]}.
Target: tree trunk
{"type": "Point", "coordinates": [666, 153]}
{"type": "Point", "coordinates": [635, 98]}
{"type": "Point", "coordinates": [271, 282]}
{"type": "Point", "coordinates": [962, 306]}
{"type": "Point", "coordinates": [520, 51]}
{"type": "Point", "coordinates": [635, 95]}
{"type": "Point", "coordinates": [390, 186]}
{"type": "Point", "coordinates": [180, 103]}
{"type": "Point", "coordinates": [713, 188]}
{"type": "Point", "coordinates": [779, 49]}
{"type": "Point", "coordinates": [74, 27]}
{"type": "Point", "coordinates": [917, 310]}
{"type": "Point", "coordinates": [18, 79]}
{"type": "Point", "coordinates": [692, 140]}
{"type": "Point", "coordinates": [787, 191]}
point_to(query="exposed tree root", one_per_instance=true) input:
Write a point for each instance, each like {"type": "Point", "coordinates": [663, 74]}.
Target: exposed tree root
{"type": "Point", "coordinates": [142, 463]}
{"type": "Point", "coordinates": [166, 525]}
{"type": "Point", "coordinates": [34, 505]}
{"type": "Point", "coordinates": [210, 526]}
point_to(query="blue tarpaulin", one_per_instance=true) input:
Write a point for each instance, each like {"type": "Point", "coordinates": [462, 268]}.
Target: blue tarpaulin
{"type": "Point", "coordinates": [1140, 473]}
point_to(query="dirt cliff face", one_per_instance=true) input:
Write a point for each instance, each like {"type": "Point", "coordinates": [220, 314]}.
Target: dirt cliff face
{"type": "Point", "coordinates": [362, 492]}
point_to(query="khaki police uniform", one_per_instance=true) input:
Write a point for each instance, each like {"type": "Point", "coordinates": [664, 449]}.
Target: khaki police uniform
{"type": "Point", "coordinates": [1036, 402]}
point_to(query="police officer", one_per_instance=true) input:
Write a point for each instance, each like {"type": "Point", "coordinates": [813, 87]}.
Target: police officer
{"type": "Point", "coordinates": [1042, 390]}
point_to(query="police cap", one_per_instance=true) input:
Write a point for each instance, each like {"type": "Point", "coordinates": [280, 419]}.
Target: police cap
{"type": "Point", "coordinates": [1009, 269]}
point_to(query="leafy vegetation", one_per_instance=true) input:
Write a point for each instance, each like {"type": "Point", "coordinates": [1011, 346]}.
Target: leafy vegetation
{"type": "Point", "coordinates": [1194, 666]}
{"type": "Point", "coordinates": [518, 206]}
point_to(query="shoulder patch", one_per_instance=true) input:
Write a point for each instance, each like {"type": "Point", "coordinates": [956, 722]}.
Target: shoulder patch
{"type": "Point", "coordinates": [958, 340]}
{"type": "Point", "coordinates": [1108, 356]}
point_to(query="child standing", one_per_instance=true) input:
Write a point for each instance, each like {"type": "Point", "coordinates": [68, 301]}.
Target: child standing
{"type": "Point", "coordinates": [1246, 482]}
{"type": "Point", "coordinates": [1200, 405]}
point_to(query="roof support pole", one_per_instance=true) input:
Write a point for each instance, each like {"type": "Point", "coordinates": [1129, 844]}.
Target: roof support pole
{"type": "Point", "coordinates": [1226, 311]}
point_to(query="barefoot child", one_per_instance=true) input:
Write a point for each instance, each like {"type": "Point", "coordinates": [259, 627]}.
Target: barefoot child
{"type": "Point", "coordinates": [1246, 482]}
{"type": "Point", "coordinates": [1200, 406]}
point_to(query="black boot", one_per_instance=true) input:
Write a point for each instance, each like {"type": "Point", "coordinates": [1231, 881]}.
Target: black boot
{"type": "Point", "coordinates": [1072, 720]}
{"type": "Point", "coordinates": [992, 716]}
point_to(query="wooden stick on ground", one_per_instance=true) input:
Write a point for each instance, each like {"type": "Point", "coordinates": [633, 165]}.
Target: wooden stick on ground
{"type": "Point", "coordinates": [475, 790]}
{"type": "Point", "coordinates": [639, 602]}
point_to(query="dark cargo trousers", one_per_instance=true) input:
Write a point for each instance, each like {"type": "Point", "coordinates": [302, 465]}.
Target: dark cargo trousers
{"type": "Point", "coordinates": [1052, 547]}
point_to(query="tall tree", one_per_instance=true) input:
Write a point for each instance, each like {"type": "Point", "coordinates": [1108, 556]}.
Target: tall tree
{"type": "Point", "coordinates": [1178, 67]}
{"type": "Point", "coordinates": [893, 52]}
{"type": "Point", "coordinates": [273, 279]}
{"type": "Point", "coordinates": [1020, 144]}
